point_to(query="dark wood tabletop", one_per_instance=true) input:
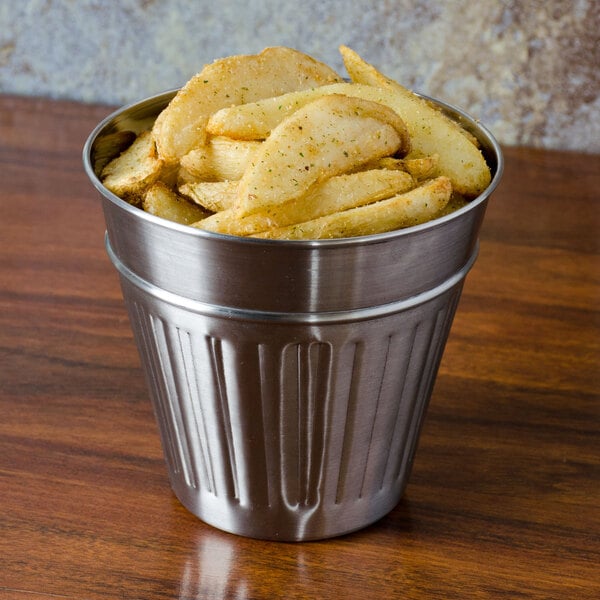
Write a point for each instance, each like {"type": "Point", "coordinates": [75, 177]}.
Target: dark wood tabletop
{"type": "Point", "coordinates": [504, 498]}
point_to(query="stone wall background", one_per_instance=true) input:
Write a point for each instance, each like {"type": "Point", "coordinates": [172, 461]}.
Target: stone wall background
{"type": "Point", "coordinates": [528, 70]}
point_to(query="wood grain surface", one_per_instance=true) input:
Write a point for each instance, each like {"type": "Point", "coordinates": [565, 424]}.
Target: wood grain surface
{"type": "Point", "coordinates": [505, 493]}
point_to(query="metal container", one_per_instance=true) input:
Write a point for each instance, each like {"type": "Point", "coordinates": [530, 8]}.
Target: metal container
{"type": "Point", "coordinates": [289, 379]}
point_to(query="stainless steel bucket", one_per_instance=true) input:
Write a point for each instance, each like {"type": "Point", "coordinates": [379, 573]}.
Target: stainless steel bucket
{"type": "Point", "coordinates": [289, 379]}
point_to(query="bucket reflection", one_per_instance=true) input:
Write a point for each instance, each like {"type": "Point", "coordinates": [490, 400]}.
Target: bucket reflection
{"type": "Point", "coordinates": [222, 566]}
{"type": "Point", "coordinates": [212, 571]}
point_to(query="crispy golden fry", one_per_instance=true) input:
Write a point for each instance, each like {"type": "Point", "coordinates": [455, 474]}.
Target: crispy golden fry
{"type": "Point", "coordinates": [169, 175]}
{"type": "Point", "coordinates": [229, 81]}
{"type": "Point", "coordinates": [430, 130]}
{"type": "Point", "coordinates": [221, 158]}
{"type": "Point", "coordinates": [256, 120]}
{"type": "Point", "coordinates": [110, 145]}
{"type": "Point", "coordinates": [362, 72]}
{"type": "Point", "coordinates": [278, 145]}
{"type": "Point", "coordinates": [184, 176]}
{"type": "Point", "coordinates": [214, 196]}
{"type": "Point", "coordinates": [456, 202]}
{"type": "Point", "coordinates": [324, 138]}
{"type": "Point", "coordinates": [417, 206]}
{"type": "Point", "coordinates": [134, 170]}
{"type": "Point", "coordinates": [419, 168]}
{"type": "Point", "coordinates": [163, 202]}
{"type": "Point", "coordinates": [333, 195]}
{"type": "Point", "coordinates": [451, 122]}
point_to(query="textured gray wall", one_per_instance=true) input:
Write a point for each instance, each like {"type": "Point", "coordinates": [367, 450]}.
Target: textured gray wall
{"type": "Point", "coordinates": [528, 70]}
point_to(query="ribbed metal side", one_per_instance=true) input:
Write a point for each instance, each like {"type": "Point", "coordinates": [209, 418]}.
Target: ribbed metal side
{"type": "Point", "coordinates": [281, 439]}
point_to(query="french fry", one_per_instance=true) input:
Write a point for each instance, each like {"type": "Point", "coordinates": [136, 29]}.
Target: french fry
{"type": "Point", "coordinates": [181, 126]}
{"type": "Point", "coordinates": [420, 168]}
{"type": "Point", "coordinates": [256, 120]}
{"type": "Point", "coordinates": [184, 176]}
{"type": "Point", "coordinates": [430, 130]}
{"type": "Point", "coordinates": [161, 201]}
{"type": "Point", "coordinates": [221, 158]}
{"type": "Point", "coordinates": [134, 170]}
{"type": "Point", "coordinates": [456, 202]}
{"type": "Point", "coordinates": [110, 145]}
{"type": "Point", "coordinates": [324, 138]}
{"type": "Point", "coordinates": [362, 72]}
{"type": "Point", "coordinates": [417, 206]}
{"type": "Point", "coordinates": [277, 145]}
{"type": "Point", "coordinates": [333, 195]}
{"type": "Point", "coordinates": [169, 175]}
{"type": "Point", "coordinates": [214, 196]}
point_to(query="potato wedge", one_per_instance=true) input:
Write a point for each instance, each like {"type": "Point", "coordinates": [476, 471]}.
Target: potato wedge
{"type": "Point", "coordinates": [335, 194]}
{"type": "Point", "coordinates": [256, 120]}
{"type": "Point", "coordinates": [362, 72]}
{"type": "Point", "coordinates": [214, 196]}
{"type": "Point", "coordinates": [228, 81]}
{"type": "Point", "coordinates": [417, 206]}
{"type": "Point", "coordinates": [134, 170]}
{"type": "Point", "coordinates": [163, 202]}
{"type": "Point", "coordinates": [430, 130]}
{"type": "Point", "coordinates": [324, 138]}
{"type": "Point", "coordinates": [420, 168]}
{"type": "Point", "coordinates": [184, 176]}
{"type": "Point", "coordinates": [220, 159]}
{"type": "Point", "coordinates": [110, 145]}
{"type": "Point", "coordinates": [456, 202]}
{"type": "Point", "coordinates": [169, 175]}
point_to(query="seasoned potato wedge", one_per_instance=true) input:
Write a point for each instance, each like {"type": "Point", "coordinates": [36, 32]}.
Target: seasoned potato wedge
{"type": "Point", "coordinates": [228, 81]}
{"type": "Point", "coordinates": [163, 202]}
{"type": "Point", "coordinates": [335, 194]}
{"type": "Point", "coordinates": [134, 170]}
{"type": "Point", "coordinates": [430, 130]}
{"type": "Point", "coordinates": [256, 120]}
{"type": "Point", "coordinates": [324, 138]}
{"type": "Point", "coordinates": [221, 158]}
{"type": "Point", "coordinates": [214, 196]}
{"type": "Point", "coordinates": [278, 145]}
{"type": "Point", "coordinates": [420, 168]}
{"type": "Point", "coordinates": [416, 206]}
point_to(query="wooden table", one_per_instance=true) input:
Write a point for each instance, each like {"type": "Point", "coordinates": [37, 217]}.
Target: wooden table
{"type": "Point", "coordinates": [504, 497]}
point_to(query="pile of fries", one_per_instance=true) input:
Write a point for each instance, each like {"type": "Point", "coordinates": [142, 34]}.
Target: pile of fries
{"type": "Point", "coordinates": [278, 145]}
